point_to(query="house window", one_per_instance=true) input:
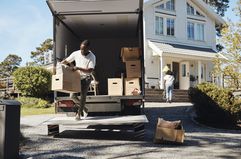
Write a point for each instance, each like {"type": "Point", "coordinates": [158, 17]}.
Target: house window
{"type": "Point", "coordinates": [200, 32]}
{"type": "Point", "coordinates": [170, 27]}
{"type": "Point", "coordinates": [160, 6]}
{"type": "Point", "coordinates": [190, 9]}
{"type": "Point", "coordinates": [190, 31]}
{"type": "Point", "coordinates": [170, 5]}
{"type": "Point", "coordinates": [159, 25]}
{"type": "Point", "coordinates": [195, 31]}
{"type": "Point", "coordinates": [184, 70]}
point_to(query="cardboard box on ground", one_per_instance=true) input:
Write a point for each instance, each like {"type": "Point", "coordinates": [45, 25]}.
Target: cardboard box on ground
{"type": "Point", "coordinates": [169, 132]}
{"type": "Point", "coordinates": [66, 80]}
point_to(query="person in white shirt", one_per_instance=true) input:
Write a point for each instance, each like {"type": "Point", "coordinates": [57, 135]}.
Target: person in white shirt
{"type": "Point", "coordinates": [85, 62]}
{"type": "Point", "coordinates": [169, 84]}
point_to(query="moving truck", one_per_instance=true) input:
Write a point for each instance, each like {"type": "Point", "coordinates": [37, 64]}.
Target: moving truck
{"type": "Point", "coordinates": [111, 26]}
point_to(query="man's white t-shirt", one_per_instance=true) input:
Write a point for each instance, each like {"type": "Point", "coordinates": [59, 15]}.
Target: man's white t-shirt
{"type": "Point", "coordinates": [169, 79]}
{"type": "Point", "coordinates": [82, 61]}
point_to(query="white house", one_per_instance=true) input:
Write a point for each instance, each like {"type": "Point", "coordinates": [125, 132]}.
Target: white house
{"type": "Point", "coordinates": [179, 34]}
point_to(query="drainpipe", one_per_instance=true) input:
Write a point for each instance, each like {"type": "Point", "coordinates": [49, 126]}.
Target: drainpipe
{"type": "Point", "coordinates": [161, 72]}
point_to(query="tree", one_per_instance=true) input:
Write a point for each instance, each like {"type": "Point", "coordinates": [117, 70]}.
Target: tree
{"type": "Point", "coordinates": [231, 40]}
{"type": "Point", "coordinates": [9, 65]}
{"type": "Point", "coordinates": [33, 81]}
{"type": "Point", "coordinates": [220, 6]}
{"type": "Point", "coordinates": [38, 55]}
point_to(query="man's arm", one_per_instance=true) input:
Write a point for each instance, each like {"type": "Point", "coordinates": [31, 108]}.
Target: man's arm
{"type": "Point", "coordinates": [64, 62]}
{"type": "Point", "coordinates": [88, 70]}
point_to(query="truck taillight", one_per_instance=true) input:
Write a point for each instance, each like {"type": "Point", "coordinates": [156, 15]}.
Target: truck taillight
{"type": "Point", "coordinates": [65, 103]}
{"type": "Point", "coordinates": [133, 102]}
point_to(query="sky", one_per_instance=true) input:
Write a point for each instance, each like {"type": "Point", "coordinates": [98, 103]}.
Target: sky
{"type": "Point", "coordinates": [25, 24]}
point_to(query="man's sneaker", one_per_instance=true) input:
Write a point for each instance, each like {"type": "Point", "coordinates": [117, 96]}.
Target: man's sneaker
{"type": "Point", "coordinates": [85, 114]}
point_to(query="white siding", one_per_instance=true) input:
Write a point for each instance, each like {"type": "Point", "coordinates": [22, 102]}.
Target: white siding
{"type": "Point", "coordinates": [181, 19]}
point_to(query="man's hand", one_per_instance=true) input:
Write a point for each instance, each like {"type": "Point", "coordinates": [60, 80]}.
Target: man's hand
{"type": "Point", "coordinates": [75, 68]}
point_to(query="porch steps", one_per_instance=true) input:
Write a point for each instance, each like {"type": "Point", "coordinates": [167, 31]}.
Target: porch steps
{"type": "Point", "coordinates": [156, 95]}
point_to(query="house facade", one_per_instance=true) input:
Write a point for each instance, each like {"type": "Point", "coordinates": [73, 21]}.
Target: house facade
{"type": "Point", "coordinates": [179, 34]}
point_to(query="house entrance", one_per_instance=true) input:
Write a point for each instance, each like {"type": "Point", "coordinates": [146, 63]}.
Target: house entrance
{"type": "Point", "coordinates": [175, 69]}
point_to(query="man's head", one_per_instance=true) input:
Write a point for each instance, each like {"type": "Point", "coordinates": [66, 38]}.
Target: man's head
{"type": "Point", "coordinates": [84, 45]}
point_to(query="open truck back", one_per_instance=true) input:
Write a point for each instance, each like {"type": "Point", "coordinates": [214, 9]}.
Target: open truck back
{"type": "Point", "coordinates": [109, 25]}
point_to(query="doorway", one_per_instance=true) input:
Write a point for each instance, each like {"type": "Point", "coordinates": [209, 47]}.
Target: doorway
{"type": "Point", "coordinates": [184, 76]}
{"type": "Point", "coordinates": [175, 69]}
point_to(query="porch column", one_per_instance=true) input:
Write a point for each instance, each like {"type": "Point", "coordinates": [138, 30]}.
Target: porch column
{"type": "Point", "coordinates": [161, 76]}
{"type": "Point", "coordinates": [199, 72]}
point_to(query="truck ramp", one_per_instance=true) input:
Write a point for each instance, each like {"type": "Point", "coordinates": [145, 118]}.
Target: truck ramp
{"type": "Point", "coordinates": [135, 123]}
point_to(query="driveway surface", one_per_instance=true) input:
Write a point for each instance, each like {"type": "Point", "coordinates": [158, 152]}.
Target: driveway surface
{"type": "Point", "coordinates": [201, 142]}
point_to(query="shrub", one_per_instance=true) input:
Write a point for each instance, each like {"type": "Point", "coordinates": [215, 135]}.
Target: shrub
{"type": "Point", "coordinates": [215, 105]}
{"type": "Point", "coordinates": [32, 81]}
{"type": "Point", "coordinates": [31, 102]}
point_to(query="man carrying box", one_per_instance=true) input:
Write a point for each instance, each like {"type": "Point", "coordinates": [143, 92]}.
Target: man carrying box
{"type": "Point", "coordinates": [85, 62]}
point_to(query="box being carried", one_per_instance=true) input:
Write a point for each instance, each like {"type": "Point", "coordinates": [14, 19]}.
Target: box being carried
{"type": "Point", "coordinates": [130, 53]}
{"type": "Point", "coordinates": [66, 80]}
{"type": "Point", "coordinates": [115, 86]}
{"type": "Point", "coordinates": [169, 131]}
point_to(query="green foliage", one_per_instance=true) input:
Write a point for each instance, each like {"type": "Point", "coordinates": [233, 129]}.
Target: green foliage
{"type": "Point", "coordinates": [33, 81]}
{"type": "Point", "coordinates": [31, 102]}
{"type": "Point", "coordinates": [230, 66]}
{"type": "Point", "coordinates": [9, 65]}
{"type": "Point", "coordinates": [214, 104]}
{"type": "Point", "coordinates": [38, 55]}
{"type": "Point", "coordinates": [220, 6]}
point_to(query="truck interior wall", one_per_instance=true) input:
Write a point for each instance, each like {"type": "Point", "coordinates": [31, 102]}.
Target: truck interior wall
{"type": "Point", "coordinates": [108, 60]}
{"type": "Point", "coordinates": [65, 39]}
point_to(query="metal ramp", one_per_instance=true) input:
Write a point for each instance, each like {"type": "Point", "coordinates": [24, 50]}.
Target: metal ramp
{"type": "Point", "coordinates": [133, 122]}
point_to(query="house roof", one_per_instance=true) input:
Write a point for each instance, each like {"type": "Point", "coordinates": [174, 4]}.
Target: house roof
{"type": "Point", "coordinates": [205, 7]}
{"type": "Point", "coordinates": [167, 49]}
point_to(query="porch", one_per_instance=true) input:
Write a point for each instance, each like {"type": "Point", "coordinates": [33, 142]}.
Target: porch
{"type": "Point", "coordinates": [190, 65]}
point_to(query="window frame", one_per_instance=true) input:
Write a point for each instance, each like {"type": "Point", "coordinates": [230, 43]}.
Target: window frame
{"type": "Point", "coordinates": [198, 34]}
{"type": "Point", "coordinates": [172, 25]}
{"type": "Point", "coordinates": [158, 32]}
{"type": "Point", "coordinates": [165, 4]}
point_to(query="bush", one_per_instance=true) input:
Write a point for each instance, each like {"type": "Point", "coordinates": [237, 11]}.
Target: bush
{"type": "Point", "coordinates": [32, 81]}
{"type": "Point", "coordinates": [215, 105]}
{"type": "Point", "coordinates": [31, 102]}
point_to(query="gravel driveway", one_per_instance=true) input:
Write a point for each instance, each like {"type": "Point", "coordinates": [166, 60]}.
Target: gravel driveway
{"type": "Point", "coordinates": [200, 142]}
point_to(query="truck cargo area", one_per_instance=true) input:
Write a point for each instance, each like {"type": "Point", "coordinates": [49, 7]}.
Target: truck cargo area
{"type": "Point", "coordinates": [109, 26]}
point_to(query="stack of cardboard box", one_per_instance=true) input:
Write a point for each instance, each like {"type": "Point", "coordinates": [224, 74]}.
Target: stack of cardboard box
{"type": "Point", "coordinates": [65, 80]}
{"type": "Point", "coordinates": [131, 57]}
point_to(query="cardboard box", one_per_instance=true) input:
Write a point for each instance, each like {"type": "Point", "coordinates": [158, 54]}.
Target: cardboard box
{"type": "Point", "coordinates": [115, 86]}
{"type": "Point", "coordinates": [164, 134]}
{"type": "Point", "coordinates": [130, 53]}
{"type": "Point", "coordinates": [66, 80]}
{"type": "Point", "coordinates": [131, 84]}
{"type": "Point", "coordinates": [133, 68]}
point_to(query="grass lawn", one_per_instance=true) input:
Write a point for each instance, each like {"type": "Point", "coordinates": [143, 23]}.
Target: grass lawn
{"type": "Point", "coordinates": [36, 111]}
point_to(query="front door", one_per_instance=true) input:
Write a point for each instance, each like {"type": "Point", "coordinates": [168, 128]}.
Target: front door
{"type": "Point", "coordinates": [184, 75]}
